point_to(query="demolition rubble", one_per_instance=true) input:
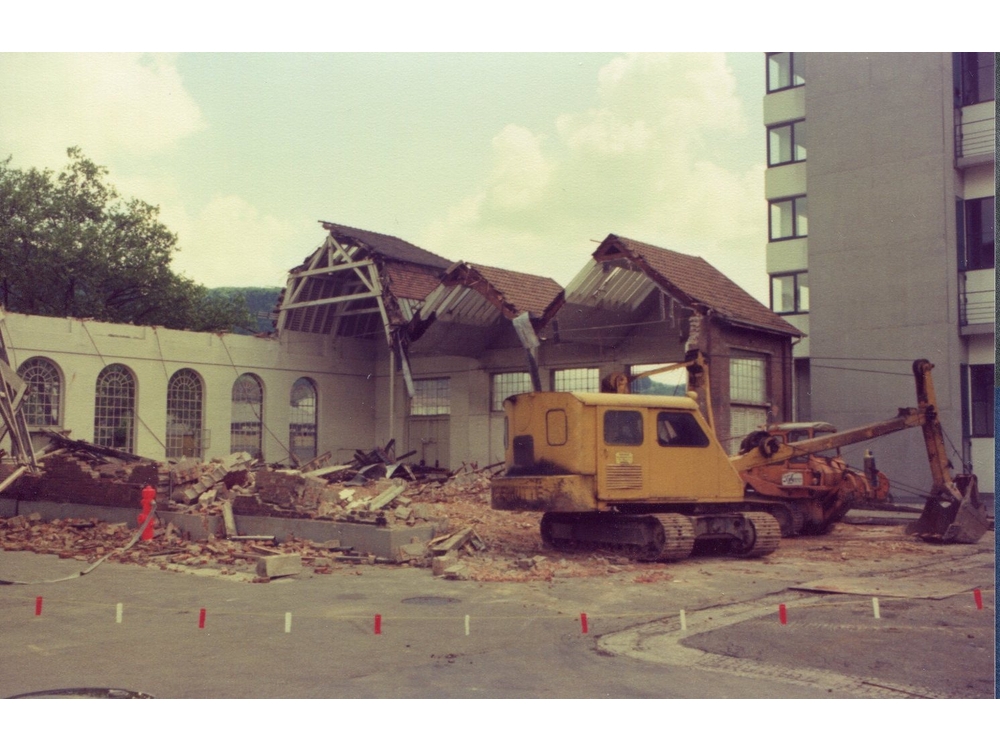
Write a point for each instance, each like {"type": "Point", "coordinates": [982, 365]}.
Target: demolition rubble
{"type": "Point", "coordinates": [469, 540]}
{"type": "Point", "coordinates": [461, 537]}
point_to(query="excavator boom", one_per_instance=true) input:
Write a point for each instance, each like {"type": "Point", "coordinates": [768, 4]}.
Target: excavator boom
{"type": "Point", "coordinates": [953, 511]}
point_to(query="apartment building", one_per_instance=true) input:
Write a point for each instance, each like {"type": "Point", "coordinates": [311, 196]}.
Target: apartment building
{"type": "Point", "coordinates": [880, 190]}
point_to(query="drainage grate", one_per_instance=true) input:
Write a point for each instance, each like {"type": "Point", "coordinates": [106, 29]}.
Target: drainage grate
{"type": "Point", "coordinates": [434, 600]}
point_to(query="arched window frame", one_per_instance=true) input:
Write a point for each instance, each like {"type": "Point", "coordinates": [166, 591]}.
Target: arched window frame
{"type": "Point", "coordinates": [185, 414]}
{"type": "Point", "coordinates": [42, 403]}
{"type": "Point", "coordinates": [115, 408]}
{"type": "Point", "coordinates": [303, 419]}
{"type": "Point", "coordinates": [246, 427]}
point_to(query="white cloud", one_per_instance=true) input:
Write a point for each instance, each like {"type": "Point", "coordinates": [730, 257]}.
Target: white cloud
{"type": "Point", "coordinates": [104, 103]}
{"type": "Point", "coordinates": [231, 243]}
{"type": "Point", "coordinates": [652, 160]}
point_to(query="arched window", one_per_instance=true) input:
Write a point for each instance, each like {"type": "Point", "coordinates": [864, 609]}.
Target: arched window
{"type": "Point", "coordinates": [302, 420]}
{"type": "Point", "coordinates": [184, 415]}
{"type": "Point", "coordinates": [42, 403]}
{"type": "Point", "coordinates": [114, 409]}
{"type": "Point", "coordinates": [246, 426]}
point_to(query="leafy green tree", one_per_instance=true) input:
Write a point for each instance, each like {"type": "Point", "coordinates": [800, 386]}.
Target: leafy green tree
{"type": "Point", "coordinates": [71, 246]}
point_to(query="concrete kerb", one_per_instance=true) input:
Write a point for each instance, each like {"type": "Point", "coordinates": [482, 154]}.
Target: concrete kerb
{"type": "Point", "coordinates": [364, 538]}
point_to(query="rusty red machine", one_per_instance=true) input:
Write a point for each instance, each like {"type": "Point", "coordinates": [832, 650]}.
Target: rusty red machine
{"type": "Point", "coordinates": [822, 488]}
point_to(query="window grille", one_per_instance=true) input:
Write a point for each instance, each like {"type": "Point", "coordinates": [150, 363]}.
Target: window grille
{"type": "Point", "coordinates": [246, 424]}
{"type": "Point", "coordinates": [114, 409]}
{"type": "Point", "coordinates": [184, 415]}
{"type": "Point", "coordinates": [506, 384]}
{"type": "Point", "coordinates": [43, 400]}
{"type": "Point", "coordinates": [431, 396]}
{"type": "Point", "coordinates": [302, 420]}
{"type": "Point", "coordinates": [577, 379]}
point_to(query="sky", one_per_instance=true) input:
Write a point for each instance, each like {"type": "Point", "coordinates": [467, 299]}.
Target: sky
{"type": "Point", "coordinates": [517, 160]}
{"type": "Point", "coordinates": [523, 159]}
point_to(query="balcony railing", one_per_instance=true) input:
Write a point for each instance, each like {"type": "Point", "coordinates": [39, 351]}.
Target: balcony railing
{"type": "Point", "coordinates": [975, 139]}
{"type": "Point", "coordinates": [977, 307]}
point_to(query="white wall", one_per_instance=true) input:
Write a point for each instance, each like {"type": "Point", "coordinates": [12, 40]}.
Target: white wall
{"type": "Point", "coordinates": [346, 395]}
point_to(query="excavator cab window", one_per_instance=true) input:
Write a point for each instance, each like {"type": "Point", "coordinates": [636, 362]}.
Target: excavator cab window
{"type": "Point", "coordinates": [679, 430]}
{"type": "Point", "coordinates": [623, 427]}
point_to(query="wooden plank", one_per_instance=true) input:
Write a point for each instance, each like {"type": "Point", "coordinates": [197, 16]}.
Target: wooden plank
{"type": "Point", "coordinates": [12, 478]}
{"type": "Point", "coordinates": [455, 541]}
{"type": "Point", "coordinates": [316, 462]}
{"type": "Point", "coordinates": [228, 518]}
{"type": "Point", "coordinates": [327, 470]}
{"type": "Point", "coordinates": [386, 497]}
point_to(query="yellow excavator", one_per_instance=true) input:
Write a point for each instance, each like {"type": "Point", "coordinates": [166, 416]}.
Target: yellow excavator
{"type": "Point", "coordinates": [647, 476]}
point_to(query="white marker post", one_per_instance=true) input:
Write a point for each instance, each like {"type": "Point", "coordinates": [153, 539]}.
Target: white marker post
{"type": "Point", "coordinates": [288, 622]}
{"type": "Point", "coordinates": [118, 613]}
{"type": "Point", "coordinates": [875, 608]}
{"type": "Point", "coordinates": [466, 624]}
{"type": "Point", "coordinates": [684, 622]}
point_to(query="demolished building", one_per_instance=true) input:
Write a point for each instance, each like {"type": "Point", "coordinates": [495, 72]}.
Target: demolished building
{"type": "Point", "coordinates": [377, 339]}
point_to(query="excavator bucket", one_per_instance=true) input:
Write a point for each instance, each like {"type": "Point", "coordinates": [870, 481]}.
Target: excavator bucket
{"type": "Point", "coordinates": [955, 517]}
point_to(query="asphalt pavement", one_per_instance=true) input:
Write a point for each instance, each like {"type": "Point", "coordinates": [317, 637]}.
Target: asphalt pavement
{"type": "Point", "coordinates": [749, 629]}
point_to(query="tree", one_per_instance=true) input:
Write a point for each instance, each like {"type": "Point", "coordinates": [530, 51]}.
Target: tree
{"type": "Point", "coordinates": [71, 246]}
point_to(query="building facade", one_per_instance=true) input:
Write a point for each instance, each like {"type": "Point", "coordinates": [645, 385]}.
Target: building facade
{"type": "Point", "coordinates": [880, 191]}
{"type": "Point", "coordinates": [380, 341]}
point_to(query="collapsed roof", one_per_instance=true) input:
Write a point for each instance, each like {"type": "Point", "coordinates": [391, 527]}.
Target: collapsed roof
{"type": "Point", "coordinates": [629, 281]}
{"type": "Point", "coordinates": [470, 308]}
{"type": "Point", "coordinates": [358, 283]}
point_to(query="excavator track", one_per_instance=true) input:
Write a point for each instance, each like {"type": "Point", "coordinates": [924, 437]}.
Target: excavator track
{"type": "Point", "coordinates": [678, 536]}
{"type": "Point", "coordinates": [789, 515]}
{"type": "Point", "coordinates": [766, 535]}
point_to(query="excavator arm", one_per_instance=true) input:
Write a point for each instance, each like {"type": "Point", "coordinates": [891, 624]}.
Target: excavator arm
{"type": "Point", "coordinates": [953, 512]}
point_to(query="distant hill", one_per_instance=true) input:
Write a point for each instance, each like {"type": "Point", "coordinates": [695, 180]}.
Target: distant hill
{"type": "Point", "coordinates": [260, 301]}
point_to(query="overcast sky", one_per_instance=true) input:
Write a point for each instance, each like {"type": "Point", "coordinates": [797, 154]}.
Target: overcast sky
{"type": "Point", "coordinates": [517, 160]}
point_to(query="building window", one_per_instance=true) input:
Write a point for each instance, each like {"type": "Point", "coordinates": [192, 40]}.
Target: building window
{"type": "Point", "coordinates": [114, 409]}
{"type": "Point", "coordinates": [977, 71]}
{"type": "Point", "coordinates": [431, 397]}
{"type": "Point", "coordinates": [246, 425]}
{"type": "Point", "coordinates": [506, 384]}
{"type": "Point", "coordinates": [981, 388]}
{"type": "Point", "coordinates": [670, 383]}
{"type": "Point", "coordinates": [302, 420]}
{"type": "Point", "coordinates": [43, 399]}
{"type": "Point", "coordinates": [786, 143]}
{"type": "Point", "coordinates": [184, 415]}
{"type": "Point", "coordinates": [979, 233]}
{"type": "Point", "coordinates": [585, 379]}
{"type": "Point", "coordinates": [790, 293]}
{"type": "Point", "coordinates": [747, 380]}
{"type": "Point", "coordinates": [789, 218]}
{"type": "Point", "coordinates": [782, 71]}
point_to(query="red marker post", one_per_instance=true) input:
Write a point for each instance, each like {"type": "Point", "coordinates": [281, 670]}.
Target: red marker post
{"type": "Point", "coordinates": [378, 624]}
{"type": "Point", "coordinates": [978, 596]}
{"type": "Point", "coordinates": [38, 606]}
{"type": "Point", "coordinates": [583, 622]}
{"type": "Point", "coordinates": [201, 618]}
{"type": "Point", "coordinates": [782, 614]}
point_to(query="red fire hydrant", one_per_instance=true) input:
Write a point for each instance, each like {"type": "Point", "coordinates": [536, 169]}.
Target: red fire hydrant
{"type": "Point", "coordinates": [148, 501]}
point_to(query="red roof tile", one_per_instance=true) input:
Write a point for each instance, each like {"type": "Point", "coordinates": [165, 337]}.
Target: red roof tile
{"type": "Point", "coordinates": [525, 291]}
{"type": "Point", "coordinates": [410, 281]}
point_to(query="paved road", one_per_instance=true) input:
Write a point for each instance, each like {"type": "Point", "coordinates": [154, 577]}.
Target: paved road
{"type": "Point", "coordinates": [524, 640]}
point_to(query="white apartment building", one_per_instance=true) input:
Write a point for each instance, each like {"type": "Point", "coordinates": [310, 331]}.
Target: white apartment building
{"type": "Point", "coordinates": [881, 198]}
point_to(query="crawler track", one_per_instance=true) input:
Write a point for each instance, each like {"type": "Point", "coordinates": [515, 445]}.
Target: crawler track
{"type": "Point", "coordinates": [766, 535]}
